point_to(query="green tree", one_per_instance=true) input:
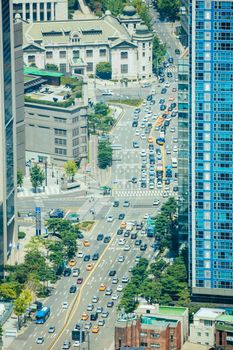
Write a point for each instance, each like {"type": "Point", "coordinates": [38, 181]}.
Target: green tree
{"type": "Point", "coordinates": [104, 154]}
{"type": "Point", "coordinates": [115, 6]}
{"type": "Point", "coordinates": [20, 307]}
{"type": "Point", "coordinates": [37, 176]}
{"type": "Point", "coordinates": [104, 70]}
{"type": "Point", "coordinates": [58, 225]}
{"type": "Point", "coordinates": [51, 66]}
{"type": "Point", "coordinates": [7, 291]}
{"type": "Point", "coordinates": [69, 240]}
{"type": "Point", "coordinates": [151, 291]}
{"type": "Point", "coordinates": [170, 207]}
{"type": "Point", "coordinates": [143, 11]}
{"type": "Point", "coordinates": [158, 53]}
{"type": "Point", "coordinates": [156, 268]}
{"type": "Point", "coordinates": [101, 108]}
{"type": "Point", "coordinates": [168, 9]}
{"type": "Point", "coordinates": [70, 169]}
{"type": "Point", "coordinates": [56, 254]}
{"type": "Point", "coordinates": [20, 177]}
{"type": "Point", "coordinates": [72, 6]}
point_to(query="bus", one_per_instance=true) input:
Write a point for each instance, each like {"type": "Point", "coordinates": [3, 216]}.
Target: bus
{"type": "Point", "coordinates": [174, 162]}
{"type": "Point", "coordinates": [42, 315]}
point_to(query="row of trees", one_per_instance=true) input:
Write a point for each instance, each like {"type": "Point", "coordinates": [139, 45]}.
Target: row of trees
{"type": "Point", "coordinates": [100, 120]}
{"type": "Point", "coordinates": [104, 154]}
{"type": "Point", "coordinates": [37, 175]}
{"type": "Point", "coordinates": [169, 9]}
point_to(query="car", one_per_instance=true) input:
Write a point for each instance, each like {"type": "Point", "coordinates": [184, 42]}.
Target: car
{"type": "Point", "coordinates": [125, 279]}
{"type": "Point", "coordinates": [150, 139]}
{"type": "Point", "coordinates": [66, 345]}
{"type": "Point", "coordinates": [86, 243]}
{"type": "Point", "coordinates": [119, 232]}
{"type": "Point", "coordinates": [115, 280]}
{"type": "Point", "coordinates": [138, 242]}
{"type": "Point", "coordinates": [161, 79]}
{"type": "Point", "coordinates": [146, 216]}
{"type": "Point", "coordinates": [80, 254]}
{"type": "Point", "coordinates": [115, 296]}
{"type": "Point", "coordinates": [112, 273]}
{"type": "Point", "coordinates": [163, 91]}
{"type": "Point", "coordinates": [102, 287]}
{"type": "Point", "coordinates": [137, 258]}
{"type": "Point", "coordinates": [169, 74]}
{"type": "Point", "coordinates": [95, 256]}
{"type": "Point", "coordinates": [162, 101]}
{"type": "Point", "coordinates": [175, 188]}
{"type": "Point", "coordinates": [173, 105]}
{"type": "Point", "coordinates": [107, 93]}
{"type": "Point", "coordinates": [134, 180]}
{"type": "Point", "coordinates": [168, 151]}
{"type": "Point", "coordinates": [76, 272]}
{"type": "Point", "coordinates": [170, 59]}
{"type": "Point", "coordinates": [121, 241]}
{"type": "Point", "coordinates": [95, 299]}
{"type": "Point", "coordinates": [162, 107]}
{"type": "Point", "coordinates": [165, 194]}
{"type": "Point", "coordinates": [88, 325]}
{"type": "Point", "coordinates": [121, 216]}
{"type": "Point", "coordinates": [175, 148]}
{"type": "Point", "coordinates": [110, 218]}
{"type": "Point", "coordinates": [56, 214]}
{"type": "Point", "coordinates": [137, 133]}
{"type": "Point", "coordinates": [123, 225]}
{"type": "Point", "coordinates": [108, 291]}
{"type": "Point", "coordinates": [166, 123]}
{"type": "Point", "coordinates": [65, 305]}
{"type": "Point", "coordinates": [101, 323]}
{"type": "Point", "coordinates": [39, 340]}
{"type": "Point", "coordinates": [121, 258]}
{"type": "Point", "coordinates": [116, 204]}
{"type": "Point", "coordinates": [67, 272]}
{"type": "Point", "coordinates": [177, 51]}
{"type": "Point", "coordinates": [89, 267]}
{"type": "Point", "coordinates": [99, 309]}
{"type": "Point", "coordinates": [135, 144]}
{"type": "Point", "coordinates": [156, 202]}
{"type": "Point", "coordinates": [87, 257]}
{"type": "Point", "coordinates": [126, 248]}
{"type": "Point", "coordinates": [73, 288]}
{"type": "Point", "coordinates": [104, 314]}
{"type": "Point", "coordinates": [133, 235]}
{"type": "Point", "coordinates": [110, 304]}
{"type": "Point", "coordinates": [95, 329]}
{"type": "Point", "coordinates": [143, 136]}
{"type": "Point", "coordinates": [137, 110]}
{"type": "Point", "coordinates": [126, 204]}
{"type": "Point", "coordinates": [143, 247]}
{"type": "Point", "coordinates": [159, 184]}
{"type": "Point", "coordinates": [174, 89]}
{"type": "Point", "coordinates": [100, 237]}
{"type": "Point", "coordinates": [173, 114]}
{"type": "Point", "coordinates": [134, 124]}
{"type": "Point", "coordinates": [119, 288]}
{"type": "Point", "coordinates": [173, 129]}
{"type": "Point", "coordinates": [76, 344]}
{"type": "Point", "coordinates": [167, 85]}
{"type": "Point", "coordinates": [90, 307]}
{"type": "Point", "coordinates": [51, 329]}
{"type": "Point", "coordinates": [107, 239]}
{"type": "Point", "coordinates": [80, 280]}
{"type": "Point", "coordinates": [126, 234]}
{"type": "Point", "coordinates": [72, 262]}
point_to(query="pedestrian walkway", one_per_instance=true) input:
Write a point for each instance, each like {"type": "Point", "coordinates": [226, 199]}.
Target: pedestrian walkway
{"type": "Point", "coordinates": [140, 193]}
{"type": "Point", "coordinates": [29, 192]}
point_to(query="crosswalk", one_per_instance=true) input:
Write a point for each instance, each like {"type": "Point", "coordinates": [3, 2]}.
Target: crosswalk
{"type": "Point", "coordinates": [140, 193]}
{"type": "Point", "coordinates": [172, 69]}
{"type": "Point", "coordinates": [28, 192]}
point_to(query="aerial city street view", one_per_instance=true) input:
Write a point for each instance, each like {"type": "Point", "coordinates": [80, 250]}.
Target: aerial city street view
{"type": "Point", "coordinates": [116, 178]}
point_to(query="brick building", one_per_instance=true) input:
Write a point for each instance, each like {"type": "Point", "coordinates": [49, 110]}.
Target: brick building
{"type": "Point", "coordinates": [224, 332]}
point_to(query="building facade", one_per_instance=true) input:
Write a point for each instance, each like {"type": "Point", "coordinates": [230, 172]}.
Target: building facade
{"type": "Point", "coordinates": [224, 333]}
{"type": "Point", "coordinates": [211, 150]}
{"type": "Point", "coordinates": [7, 134]}
{"type": "Point", "coordinates": [78, 46]}
{"type": "Point", "coordinates": [46, 10]}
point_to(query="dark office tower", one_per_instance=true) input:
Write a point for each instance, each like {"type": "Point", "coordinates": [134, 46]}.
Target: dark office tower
{"type": "Point", "coordinates": [7, 135]}
{"type": "Point", "coordinates": [211, 150]}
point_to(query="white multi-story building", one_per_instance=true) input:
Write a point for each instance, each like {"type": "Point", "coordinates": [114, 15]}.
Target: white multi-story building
{"type": "Point", "coordinates": [46, 10]}
{"type": "Point", "coordinates": [78, 46]}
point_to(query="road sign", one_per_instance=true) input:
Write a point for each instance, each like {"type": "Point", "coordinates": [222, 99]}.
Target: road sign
{"type": "Point", "coordinates": [38, 221]}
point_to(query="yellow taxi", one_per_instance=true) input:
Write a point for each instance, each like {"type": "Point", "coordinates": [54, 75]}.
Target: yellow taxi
{"type": "Point", "coordinates": [89, 267]}
{"type": "Point", "coordinates": [171, 98]}
{"type": "Point", "coordinates": [95, 329]}
{"type": "Point", "coordinates": [102, 287]}
{"type": "Point", "coordinates": [123, 224]}
{"type": "Point", "coordinates": [86, 243]}
{"type": "Point", "coordinates": [72, 263]}
{"type": "Point", "coordinates": [84, 316]}
{"type": "Point", "coordinates": [150, 139]}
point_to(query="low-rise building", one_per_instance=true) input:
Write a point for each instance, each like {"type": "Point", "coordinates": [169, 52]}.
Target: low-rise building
{"type": "Point", "coordinates": [202, 330]}
{"type": "Point", "coordinates": [77, 46]}
{"type": "Point", "coordinates": [55, 117]}
{"type": "Point", "coordinates": [41, 10]}
{"type": "Point", "coordinates": [224, 332]}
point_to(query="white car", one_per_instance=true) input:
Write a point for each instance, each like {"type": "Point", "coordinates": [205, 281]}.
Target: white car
{"type": "Point", "coordinates": [65, 305]}
{"type": "Point", "coordinates": [149, 113]}
{"type": "Point", "coordinates": [146, 216]}
{"type": "Point", "coordinates": [165, 194]}
{"type": "Point", "coordinates": [121, 241]}
{"type": "Point", "coordinates": [115, 296]}
{"type": "Point", "coordinates": [137, 132]}
{"type": "Point", "coordinates": [168, 151]}
{"type": "Point", "coordinates": [175, 148]}
{"type": "Point", "coordinates": [151, 186]}
{"type": "Point", "coordinates": [142, 125]}
{"type": "Point", "coordinates": [156, 202]}
{"type": "Point", "coordinates": [119, 288]}
{"type": "Point", "coordinates": [172, 129]}
{"type": "Point", "coordinates": [175, 140]}
{"type": "Point", "coordinates": [121, 258]}
{"type": "Point", "coordinates": [143, 153]}
{"type": "Point", "coordinates": [143, 136]}
{"type": "Point", "coordinates": [125, 279]}
{"type": "Point", "coordinates": [39, 340]}
{"type": "Point", "coordinates": [126, 248]}
{"type": "Point", "coordinates": [76, 344]}
{"type": "Point", "coordinates": [80, 255]}
{"type": "Point", "coordinates": [159, 184]}
{"type": "Point", "coordinates": [167, 85]}
{"type": "Point", "coordinates": [90, 307]}
{"type": "Point", "coordinates": [110, 218]}
{"type": "Point", "coordinates": [107, 93]}
{"type": "Point", "coordinates": [144, 103]}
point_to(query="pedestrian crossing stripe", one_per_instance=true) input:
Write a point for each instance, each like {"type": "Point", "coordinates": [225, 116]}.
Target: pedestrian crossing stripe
{"type": "Point", "coordinates": [172, 69]}
{"type": "Point", "coordinates": [125, 193]}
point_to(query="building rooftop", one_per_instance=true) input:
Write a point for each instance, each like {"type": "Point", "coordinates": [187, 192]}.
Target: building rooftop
{"type": "Point", "coordinates": [156, 322]}
{"type": "Point", "coordinates": [225, 318]}
{"type": "Point", "coordinates": [171, 310]}
{"type": "Point", "coordinates": [42, 73]}
{"type": "Point", "coordinates": [209, 313]}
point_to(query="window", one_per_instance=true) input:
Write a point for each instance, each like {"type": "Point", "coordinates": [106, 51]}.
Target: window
{"type": "Point", "coordinates": [143, 45]}
{"type": "Point", "coordinates": [89, 53]}
{"type": "Point", "coordinates": [31, 59]}
{"type": "Point", "coordinates": [75, 132]}
{"type": "Point", "coordinates": [61, 142]}
{"type": "Point", "coordinates": [62, 67]}
{"type": "Point", "coordinates": [49, 54]}
{"type": "Point", "coordinates": [155, 335]}
{"type": "Point", "coordinates": [75, 142]}
{"type": "Point", "coordinates": [60, 132]}
{"type": "Point", "coordinates": [143, 68]}
{"type": "Point", "coordinates": [59, 120]}
{"type": "Point", "coordinates": [124, 54]}
{"type": "Point", "coordinates": [143, 54]}
{"type": "Point", "coordinates": [61, 151]}
{"type": "Point", "coordinates": [62, 54]}
{"type": "Point", "coordinates": [124, 68]}
{"type": "Point", "coordinates": [76, 54]}
{"type": "Point", "coordinates": [103, 52]}
{"type": "Point", "coordinates": [155, 346]}
{"type": "Point", "coordinates": [89, 66]}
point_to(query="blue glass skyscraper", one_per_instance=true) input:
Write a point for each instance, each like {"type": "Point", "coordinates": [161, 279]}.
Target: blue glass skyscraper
{"type": "Point", "coordinates": [211, 149]}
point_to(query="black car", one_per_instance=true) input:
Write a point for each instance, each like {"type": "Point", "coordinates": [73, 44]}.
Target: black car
{"type": "Point", "coordinates": [56, 213]}
{"type": "Point", "coordinates": [174, 114]}
{"type": "Point", "coordinates": [116, 204]}
{"type": "Point", "coordinates": [137, 110]}
{"type": "Point", "coordinates": [100, 237]}
{"type": "Point", "coordinates": [167, 182]}
{"type": "Point", "coordinates": [161, 80]}
{"type": "Point", "coordinates": [80, 235]}
{"type": "Point", "coordinates": [143, 185]}
{"type": "Point", "coordinates": [119, 232]}
{"type": "Point", "coordinates": [166, 123]}
{"type": "Point", "coordinates": [169, 74]}
{"type": "Point", "coordinates": [134, 124]}
{"type": "Point", "coordinates": [151, 146]}
{"type": "Point", "coordinates": [73, 289]}
{"type": "Point", "coordinates": [149, 98]}
{"type": "Point", "coordinates": [175, 189]}
{"type": "Point", "coordinates": [110, 304]}
{"type": "Point", "coordinates": [162, 107]}
{"type": "Point", "coordinates": [162, 101]}
{"type": "Point", "coordinates": [170, 59]}
{"type": "Point", "coordinates": [121, 216]}
{"type": "Point", "coordinates": [173, 105]}
{"type": "Point", "coordinates": [86, 257]}
{"type": "Point", "coordinates": [112, 273]}
{"type": "Point", "coordinates": [177, 51]}
{"type": "Point", "coordinates": [67, 272]}
{"type": "Point", "coordinates": [133, 235]}
{"type": "Point", "coordinates": [107, 239]}
{"type": "Point", "coordinates": [134, 180]}
{"type": "Point", "coordinates": [135, 144]}
{"type": "Point", "coordinates": [94, 316]}
{"type": "Point", "coordinates": [152, 102]}
{"type": "Point", "coordinates": [169, 109]}
{"type": "Point", "coordinates": [138, 242]}
{"type": "Point", "coordinates": [126, 234]}
{"type": "Point", "coordinates": [143, 247]}
{"type": "Point", "coordinates": [163, 91]}
{"type": "Point", "coordinates": [95, 256]}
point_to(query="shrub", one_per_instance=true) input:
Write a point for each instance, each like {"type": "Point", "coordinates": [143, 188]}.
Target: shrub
{"type": "Point", "coordinates": [21, 235]}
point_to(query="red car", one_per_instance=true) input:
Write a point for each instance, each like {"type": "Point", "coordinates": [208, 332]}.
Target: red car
{"type": "Point", "coordinates": [80, 280]}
